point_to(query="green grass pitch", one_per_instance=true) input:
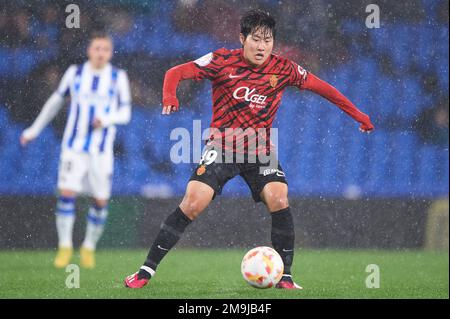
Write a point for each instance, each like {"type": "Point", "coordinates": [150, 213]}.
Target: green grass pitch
{"type": "Point", "coordinates": [197, 273]}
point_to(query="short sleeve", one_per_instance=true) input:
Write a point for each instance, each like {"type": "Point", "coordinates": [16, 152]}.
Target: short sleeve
{"type": "Point", "coordinates": [67, 79]}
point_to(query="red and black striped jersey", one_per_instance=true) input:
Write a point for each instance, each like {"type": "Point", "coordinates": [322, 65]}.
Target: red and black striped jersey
{"type": "Point", "coordinates": [246, 97]}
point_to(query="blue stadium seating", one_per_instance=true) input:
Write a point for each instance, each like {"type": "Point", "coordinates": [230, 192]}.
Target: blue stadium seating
{"type": "Point", "coordinates": [319, 147]}
{"type": "Point", "coordinates": [5, 62]}
{"type": "Point", "coordinates": [325, 157]}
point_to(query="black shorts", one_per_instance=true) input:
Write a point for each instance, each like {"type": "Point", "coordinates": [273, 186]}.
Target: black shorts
{"type": "Point", "coordinates": [217, 173]}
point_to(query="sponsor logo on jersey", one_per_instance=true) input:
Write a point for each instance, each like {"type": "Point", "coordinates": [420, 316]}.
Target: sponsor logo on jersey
{"type": "Point", "coordinates": [244, 93]}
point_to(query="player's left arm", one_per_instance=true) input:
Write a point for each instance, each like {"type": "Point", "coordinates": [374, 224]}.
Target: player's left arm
{"type": "Point", "coordinates": [308, 81]}
{"type": "Point", "coordinates": [122, 114]}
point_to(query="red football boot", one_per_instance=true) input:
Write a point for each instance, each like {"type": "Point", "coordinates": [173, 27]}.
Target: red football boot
{"type": "Point", "coordinates": [132, 281]}
{"type": "Point", "coordinates": [286, 282]}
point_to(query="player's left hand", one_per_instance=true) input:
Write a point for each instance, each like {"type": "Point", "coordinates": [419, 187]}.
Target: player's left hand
{"type": "Point", "coordinates": [366, 127]}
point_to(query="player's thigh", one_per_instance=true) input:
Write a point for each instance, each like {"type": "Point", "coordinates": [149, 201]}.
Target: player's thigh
{"type": "Point", "coordinates": [100, 176]}
{"type": "Point", "coordinates": [197, 197]}
{"type": "Point", "coordinates": [213, 172]}
{"type": "Point", "coordinates": [72, 170]}
{"type": "Point", "coordinates": [275, 196]}
{"type": "Point", "coordinates": [268, 185]}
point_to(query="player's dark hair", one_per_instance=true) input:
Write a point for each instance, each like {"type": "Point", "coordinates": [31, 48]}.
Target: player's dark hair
{"type": "Point", "coordinates": [99, 35]}
{"type": "Point", "coordinates": [255, 20]}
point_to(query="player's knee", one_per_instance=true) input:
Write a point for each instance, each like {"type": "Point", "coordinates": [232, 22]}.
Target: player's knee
{"type": "Point", "coordinates": [276, 201]}
{"type": "Point", "coordinates": [67, 193]}
{"type": "Point", "coordinates": [191, 210]}
{"type": "Point", "coordinates": [191, 206]}
{"type": "Point", "coordinates": [101, 203]}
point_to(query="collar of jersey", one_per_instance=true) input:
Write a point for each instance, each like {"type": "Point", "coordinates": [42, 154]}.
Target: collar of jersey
{"type": "Point", "coordinates": [95, 71]}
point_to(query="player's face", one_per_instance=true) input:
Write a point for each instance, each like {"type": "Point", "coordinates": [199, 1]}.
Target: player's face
{"type": "Point", "coordinates": [100, 52]}
{"type": "Point", "coordinates": [257, 46]}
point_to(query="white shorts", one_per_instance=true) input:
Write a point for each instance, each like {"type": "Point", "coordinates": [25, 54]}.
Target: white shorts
{"type": "Point", "coordinates": [86, 173]}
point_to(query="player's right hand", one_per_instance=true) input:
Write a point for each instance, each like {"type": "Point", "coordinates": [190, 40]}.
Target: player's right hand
{"type": "Point", "coordinates": [24, 140]}
{"type": "Point", "coordinates": [167, 109]}
{"type": "Point", "coordinates": [170, 104]}
{"type": "Point", "coordinates": [27, 136]}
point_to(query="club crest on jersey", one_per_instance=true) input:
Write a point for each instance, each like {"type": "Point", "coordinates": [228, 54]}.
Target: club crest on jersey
{"type": "Point", "coordinates": [273, 81]}
{"type": "Point", "coordinates": [201, 170]}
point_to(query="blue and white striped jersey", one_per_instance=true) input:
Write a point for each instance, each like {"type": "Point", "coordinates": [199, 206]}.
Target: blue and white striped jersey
{"type": "Point", "coordinates": [95, 94]}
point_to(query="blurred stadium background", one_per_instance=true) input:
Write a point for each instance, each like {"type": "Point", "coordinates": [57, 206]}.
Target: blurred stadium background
{"type": "Point", "coordinates": [385, 190]}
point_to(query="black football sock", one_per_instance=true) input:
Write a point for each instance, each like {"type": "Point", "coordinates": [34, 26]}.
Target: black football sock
{"type": "Point", "coordinates": [283, 236]}
{"type": "Point", "coordinates": [171, 230]}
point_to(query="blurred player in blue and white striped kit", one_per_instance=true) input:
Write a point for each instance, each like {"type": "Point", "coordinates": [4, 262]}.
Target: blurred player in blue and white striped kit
{"type": "Point", "coordinates": [100, 99]}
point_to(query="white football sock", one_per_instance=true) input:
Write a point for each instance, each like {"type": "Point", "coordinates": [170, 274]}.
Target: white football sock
{"type": "Point", "coordinates": [65, 218]}
{"type": "Point", "coordinates": [95, 224]}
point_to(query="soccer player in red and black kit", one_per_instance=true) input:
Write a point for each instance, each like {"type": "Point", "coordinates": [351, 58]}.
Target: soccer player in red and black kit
{"type": "Point", "coordinates": [247, 87]}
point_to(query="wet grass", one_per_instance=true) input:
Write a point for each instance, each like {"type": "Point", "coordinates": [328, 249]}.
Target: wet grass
{"type": "Point", "coordinates": [189, 273]}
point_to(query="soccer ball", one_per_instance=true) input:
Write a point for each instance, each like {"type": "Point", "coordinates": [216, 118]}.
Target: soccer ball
{"type": "Point", "coordinates": [262, 267]}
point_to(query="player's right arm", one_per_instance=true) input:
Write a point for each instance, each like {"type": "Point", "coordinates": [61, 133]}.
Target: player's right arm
{"type": "Point", "coordinates": [171, 80]}
{"type": "Point", "coordinates": [205, 67]}
{"type": "Point", "coordinates": [50, 109]}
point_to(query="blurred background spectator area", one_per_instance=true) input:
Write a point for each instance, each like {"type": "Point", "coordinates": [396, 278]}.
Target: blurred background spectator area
{"type": "Point", "coordinates": [398, 74]}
